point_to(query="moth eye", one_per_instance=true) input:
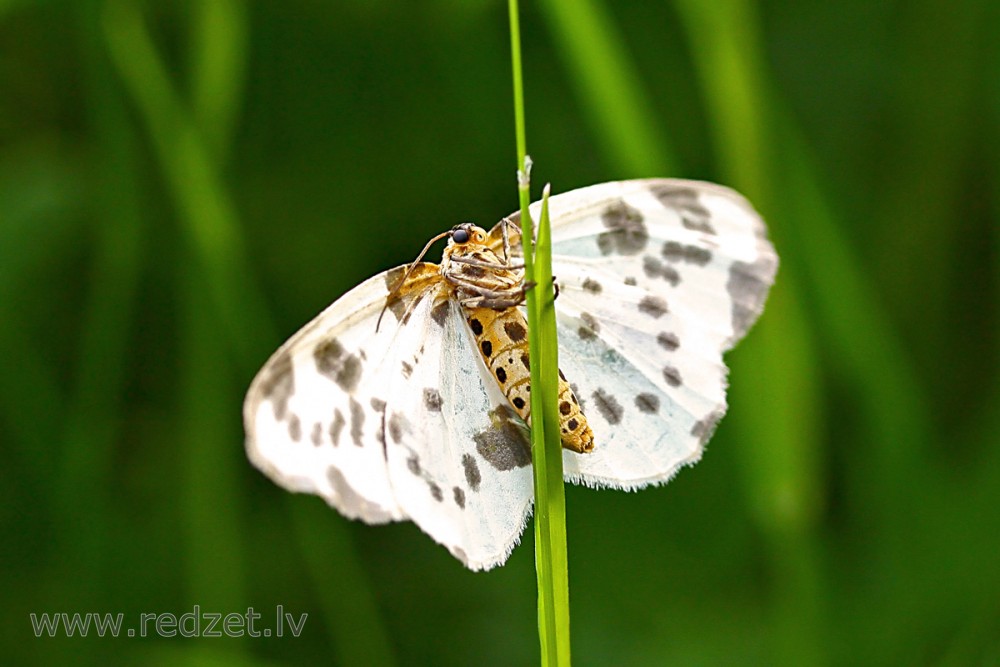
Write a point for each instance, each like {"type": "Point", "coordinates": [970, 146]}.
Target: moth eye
{"type": "Point", "coordinates": [460, 236]}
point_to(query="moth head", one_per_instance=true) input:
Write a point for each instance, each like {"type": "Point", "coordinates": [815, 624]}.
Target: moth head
{"type": "Point", "coordinates": [467, 232]}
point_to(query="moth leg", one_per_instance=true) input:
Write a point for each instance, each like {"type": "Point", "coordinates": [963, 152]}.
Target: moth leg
{"type": "Point", "coordinates": [487, 298]}
{"type": "Point", "coordinates": [506, 238]}
{"type": "Point", "coordinates": [496, 303]}
{"type": "Point", "coordinates": [486, 265]}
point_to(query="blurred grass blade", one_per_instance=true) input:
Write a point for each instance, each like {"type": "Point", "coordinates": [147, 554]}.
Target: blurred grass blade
{"type": "Point", "coordinates": [95, 412]}
{"type": "Point", "coordinates": [624, 122]}
{"type": "Point", "coordinates": [206, 211]}
{"type": "Point", "coordinates": [209, 220]}
{"type": "Point", "coordinates": [858, 330]}
{"type": "Point", "coordinates": [725, 49]}
{"type": "Point", "coordinates": [210, 499]}
{"type": "Point", "coordinates": [216, 565]}
{"type": "Point", "coordinates": [218, 64]}
{"type": "Point", "coordinates": [351, 615]}
{"type": "Point", "coordinates": [781, 438]}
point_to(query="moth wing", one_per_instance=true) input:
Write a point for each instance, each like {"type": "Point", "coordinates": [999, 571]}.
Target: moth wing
{"type": "Point", "coordinates": [657, 277]}
{"type": "Point", "coordinates": [457, 454]}
{"type": "Point", "coordinates": [311, 415]}
{"type": "Point", "coordinates": [399, 423]}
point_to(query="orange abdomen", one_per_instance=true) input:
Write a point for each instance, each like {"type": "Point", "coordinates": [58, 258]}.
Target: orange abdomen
{"type": "Point", "coordinates": [502, 339]}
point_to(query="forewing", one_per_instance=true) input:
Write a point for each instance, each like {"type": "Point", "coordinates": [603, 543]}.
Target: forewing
{"type": "Point", "coordinates": [313, 415]}
{"type": "Point", "coordinates": [657, 279]}
{"type": "Point", "coordinates": [399, 423]}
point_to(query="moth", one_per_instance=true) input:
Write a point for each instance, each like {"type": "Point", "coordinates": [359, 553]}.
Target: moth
{"type": "Point", "coordinates": [409, 397]}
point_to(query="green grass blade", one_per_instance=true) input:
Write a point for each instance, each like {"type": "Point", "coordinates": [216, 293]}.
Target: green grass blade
{"type": "Point", "coordinates": [546, 446]}
{"type": "Point", "coordinates": [550, 494]}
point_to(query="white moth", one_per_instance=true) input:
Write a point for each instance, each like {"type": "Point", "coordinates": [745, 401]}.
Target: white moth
{"type": "Point", "coordinates": [423, 416]}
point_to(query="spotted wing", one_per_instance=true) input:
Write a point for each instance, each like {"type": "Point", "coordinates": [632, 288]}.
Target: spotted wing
{"type": "Point", "coordinates": [395, 424]}
{"type": "Point", "coordinates": [657, 279]}
{"type": "Point", "coordinates": [458, 455]}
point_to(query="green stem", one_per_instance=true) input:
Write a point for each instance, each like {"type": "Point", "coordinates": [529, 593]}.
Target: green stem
{"type": "Point", "coordinates": [550, 501]}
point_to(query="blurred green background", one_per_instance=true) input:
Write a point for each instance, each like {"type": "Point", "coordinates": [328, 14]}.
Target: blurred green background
{"type": "Point", "coordinates": [184, 184]}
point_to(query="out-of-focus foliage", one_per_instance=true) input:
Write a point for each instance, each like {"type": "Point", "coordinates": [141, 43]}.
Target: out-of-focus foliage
{"type": "Point", "coordinates": [182, 185]}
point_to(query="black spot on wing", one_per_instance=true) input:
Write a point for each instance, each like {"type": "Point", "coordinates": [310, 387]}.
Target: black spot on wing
{"type": "Point", "coordinates": [627, 233]}
{"type": "Point", "coordinates": [653, 306]}
{"type": "Point", "coordinates": [278, 384]}
{"type": "Point", "coordinates": [439, 313]}
{"type": "Point", "coordinates": [432, 399]}
{"type": "Point", "coordinates": [672, 375]}
{"type": "Point", "coordinates": [413, 465]}
{"type": "Point", "coordinates": [476, 326]}
{"type": "Point", "coordinates": [407, 370]}
{"type": "Point", "coordinates": [680, 252]}
{"type": "Point", "coordinates": [317, 434]}
{"type": "Point", "coordinates": [435, 491]}
{"type": "Point", "coordinates": [336, 426]}
{"type": "Point", "coordinates": [487, 348]}
{"type": "Point", "coordinates": [592, 286]}
{"type": "Point", "coordinates": [504, 444]}
{"type": "Point", "coordinates": [393, 302]}
{"type": "Point", "coordinates": [379, 406]}
{"type": "Point", "coordinates": [608, 406]}
{"type": "Point", "coordinates": [294, 428]}
{"type": "Point", "coordinates": [459, 496]}
{"type": "Point", "coordinates": [398, 426]}
{"type": "Point", "coordinates": [333, 361]}
{"type": "Point", "coordinates": [748, 286]}
{"type": "Point", "coordinates": [648, 403]}
{"type": "Point", "coordinates": [590, 327]}
{"type": "Point", "coordinates": [654, 268]}
{"type": "Point", "coordinates": [393, 277]}
{"type": "Point", "coordinates": [705, 427]}
{"type": "Point", "coordinates": [668, 341]}
{"type": "Point", "coordinates": [357, 422]}
{"type": "Point", "coordinates": [684, 201]}
{"type": "Point", "coordinates": [472, 475]}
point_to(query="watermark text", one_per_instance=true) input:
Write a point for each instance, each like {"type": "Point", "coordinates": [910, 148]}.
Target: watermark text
{"type": "Point", "coordinates": [195, 623]}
